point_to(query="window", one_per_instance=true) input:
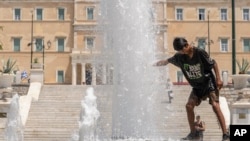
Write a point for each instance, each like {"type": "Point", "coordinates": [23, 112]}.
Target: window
{"type": "Point", "coordinates": [89, 42]}
{"type": "Point", "coordinates": [179, 14]}
{"type": "Point", "coordinates": [179, 76]}
{"type": "Point", "coordinates": [90, 13]}
{"type": "Point", "coordinates": [39, 44]}
{"type": "Point", "coordinates": [246, 14]}
{"type": "Point", "coordinates": [246, 45]}
{"type": "Point", "coordinates": [16, 44]}
{"type": "Point", "coordinates": [201, 14]}
{"type": "Point", "coordinates": [223, 13]}
{"type": "Point", "coordinates": [39, 14]}
{"type": "Point", "coordinates": [202, 43]}
{"type": "Point", "coordinates": [17, 14]}
{"type": "Point", "coordinates": [61, 14]}
{"type": "Point", "coordinates": [60, 76]}
{"type": "Point", "coordinates": [224, 45]}
{"type": "Point", "coordinates": [60, 44]}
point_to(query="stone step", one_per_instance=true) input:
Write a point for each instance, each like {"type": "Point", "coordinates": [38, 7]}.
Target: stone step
{"type": "Point", "coordinates": [55, 116]}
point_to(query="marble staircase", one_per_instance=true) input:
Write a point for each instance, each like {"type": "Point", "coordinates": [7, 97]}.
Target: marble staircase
{"type": "Point", "coordinates": [55, 116]}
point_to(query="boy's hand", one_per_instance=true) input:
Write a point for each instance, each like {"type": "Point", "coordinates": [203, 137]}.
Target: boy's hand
{"type": "Point", "coordinates": [219, 84]}
{"type": "Point", "coordinates": [160, 63]}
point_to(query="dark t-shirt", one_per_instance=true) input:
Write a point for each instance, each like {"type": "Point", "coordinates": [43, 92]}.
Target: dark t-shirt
{"type": "Point", "coordinates": [197, 69]}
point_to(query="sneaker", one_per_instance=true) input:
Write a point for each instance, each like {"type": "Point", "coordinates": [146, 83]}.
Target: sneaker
{"type": "Point", "coordinates": [225, 137]}
{"type": "Point", "coordinates": [190, 136]}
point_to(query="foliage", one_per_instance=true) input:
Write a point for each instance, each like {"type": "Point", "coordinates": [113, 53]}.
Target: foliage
{"type": "Point", "coordinates": [36, 60]}
{"type": "Point", "coordinates": [8, 66]}
{"type": "Point", "coordinates": [243, 66]}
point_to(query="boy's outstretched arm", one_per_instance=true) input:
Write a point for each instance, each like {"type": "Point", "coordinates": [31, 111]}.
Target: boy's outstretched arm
{"type": "Point", "coordinates": [161, 63]}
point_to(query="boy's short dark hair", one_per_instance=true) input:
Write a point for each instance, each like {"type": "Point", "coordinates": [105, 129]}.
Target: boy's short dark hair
{"type": "Point", "coordinates": [179, 43]}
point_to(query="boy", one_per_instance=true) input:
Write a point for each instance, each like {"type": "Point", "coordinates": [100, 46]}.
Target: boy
{"type": "Point", "coordinates": [197, 67]}
{"type": "Point", "coordinates": [199, 127]}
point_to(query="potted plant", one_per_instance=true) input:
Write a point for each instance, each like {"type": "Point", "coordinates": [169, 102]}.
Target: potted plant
{"type": "Point", "coordinates": [243, 66]}
{"type": "Point", "coordinates": [7, 72]}
{"type": "Point", "coordinates": [240, 79]}
{"type": "Point", "coordinates": [36, 64]}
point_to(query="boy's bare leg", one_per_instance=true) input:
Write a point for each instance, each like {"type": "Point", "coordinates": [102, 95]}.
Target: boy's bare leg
{"type": "Point", "coordinates": [220, 116]}
{"type": "Point", "coordinates": [190, 115]}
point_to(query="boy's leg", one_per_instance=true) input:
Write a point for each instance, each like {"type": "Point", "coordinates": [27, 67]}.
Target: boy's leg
{"type": "Point", "coordinates": [190, 113]}
{"type": "Point", "coordinates": [192, 102]}
{"type": "Point", "coordinates": [220, 116]}
{"type": "Point", "coordinates": [214, 101]}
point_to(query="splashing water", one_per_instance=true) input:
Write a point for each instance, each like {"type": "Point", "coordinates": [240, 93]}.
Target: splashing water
{"type": "Point", "coordinates": [88, 118]}
{"type": "Point", "coordinates": [14, 127]}
{"type": "Point", "coordinates": [130, 37]}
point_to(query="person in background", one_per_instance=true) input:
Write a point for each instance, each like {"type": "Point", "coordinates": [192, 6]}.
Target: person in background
{"type": "Point", "coordinates": [169, 88]}
{"type": "Point", "coordinates": [199, 127]}
{"type": "Point", "coordinates": [203, 75]}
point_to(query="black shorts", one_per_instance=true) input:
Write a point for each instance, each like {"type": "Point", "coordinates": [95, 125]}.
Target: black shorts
{"type": "Point", "coordinates": [212, 95]}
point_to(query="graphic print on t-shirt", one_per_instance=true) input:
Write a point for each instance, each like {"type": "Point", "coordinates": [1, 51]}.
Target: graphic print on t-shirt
{"type": "Point", "coordinates": [193, 71]}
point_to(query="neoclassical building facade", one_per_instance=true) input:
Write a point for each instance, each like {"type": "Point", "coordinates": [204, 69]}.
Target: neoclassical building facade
{"type": "Point", "coordinates": [63, 35]}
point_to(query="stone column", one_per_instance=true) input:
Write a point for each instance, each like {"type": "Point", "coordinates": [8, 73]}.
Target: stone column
{"type": "Point", "coordinates": [73, 73]}
{"type": "Point", "coordinates": [83, 81]}
{"type": "Point", "coordinates": [93, 75]}
{"type": "Point", "coordinates": [110, 74]}
{"type": "Point", "coordinates": [104, 74]}
{"type": "Point", "coordinates": [75, 40]}
{"type": "Point", "coordinates": [165, 44]}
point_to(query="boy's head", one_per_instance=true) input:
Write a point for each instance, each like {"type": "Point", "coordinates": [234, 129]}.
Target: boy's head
{"type": "Point", "coordinates": [179, 43]}
{"type": "Point", "coordinates": [198, 117]}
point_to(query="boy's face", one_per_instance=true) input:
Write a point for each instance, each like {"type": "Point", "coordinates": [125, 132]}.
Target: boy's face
{"type": "Point", "coordinates": [197, 118]}
{"type": "Point", "coordinates": [185, 50]}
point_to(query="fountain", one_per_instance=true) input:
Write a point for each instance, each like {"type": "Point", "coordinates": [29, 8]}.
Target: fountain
{"type": "Point", "coordinates": [88, 117]}
{"type": "Point", "coordinates": [14, 127]}
{"type": "Point", "coordinates": [129, 34]}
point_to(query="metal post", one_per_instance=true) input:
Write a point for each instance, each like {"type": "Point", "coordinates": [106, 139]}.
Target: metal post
{"type": "Point", "coordinates": [43, 53]}
{"type": "Point", "coordinates": [31, 43]}
{"type": "Point", "coordinates": [233, 38]}
{"type": "Point", "coordinates": [208, 33]}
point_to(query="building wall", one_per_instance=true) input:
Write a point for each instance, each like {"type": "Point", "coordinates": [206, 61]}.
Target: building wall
{"type": "Point", "coordinates": [76, 27]}
{"type": "Point", "coordinates": [192, 29]}
{"type": "Point", "coordinates": [49, 29]}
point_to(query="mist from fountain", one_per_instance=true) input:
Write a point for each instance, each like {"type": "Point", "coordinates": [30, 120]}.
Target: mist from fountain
{"type": "Point", "coordinates": [14, 127]}
{"type": "Point", "coordinates": [130, 37]}
{"type": "Point", "coordinates": [88, 118]}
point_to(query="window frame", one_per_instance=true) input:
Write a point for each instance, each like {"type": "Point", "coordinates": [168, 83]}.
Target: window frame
{"type": "Point", "coordinates": [86, 42]}
{"type": "Point", "coordinates": [57, 44]}
{"type": "Point", "coordinates": [88, 17]}
{"type": "Point", "coordinates": [57, 76]}
{"type": "Point", "coordinates": [38, 44]}
{"type": "Point", "coordinates": [58, 13]}
{"type": "Point", "coordinates": [204, 42]}
{"type": "Point", "coordinates": [224, 46]}
{"type": "Point", "coordinates": [37, 16]}
{"type": "Point", "coordinates": [15, 14]}
{"type": "Point", "coordinates": [243, 44]}
{"type": "Point", "coordinates": [201, 16]}
{"type": "Point", "coordinates": [179, 14]}
{"type": "Point", "coordinates": [247, 16]}
{"type": "Point", "coordinates": [14, 45]}
{"type": "Point", "coordinates": [223, 16]}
